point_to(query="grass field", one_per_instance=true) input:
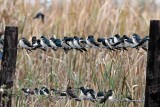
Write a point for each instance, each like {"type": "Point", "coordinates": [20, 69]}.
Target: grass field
{"type": "Point", "coordinates": [124, 72]}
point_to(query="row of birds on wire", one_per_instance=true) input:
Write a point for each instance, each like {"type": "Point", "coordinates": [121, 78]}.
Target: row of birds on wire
{"type": "Point", "coordinates": [82, 44]}
{"type": "Point", "coordinates": [85, 94]}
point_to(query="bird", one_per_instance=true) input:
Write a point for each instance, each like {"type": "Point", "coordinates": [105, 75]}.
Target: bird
{"type": "Point", "coordinates": [36, 43]}
{"type": "Point", "coordinates": [91, 95]}
{"type": "Point", "coordinates": [45, 42]}
{"type": "Point", "coordinates": [36, 91]}
{"type": "Point", "coordinates": [136, 39]}
{"type": "Point", "coordinates": [39, 15]}
{"type": "Point", "coordinates": [1, 43]}
{"type": "Point", "coordinates": [77, 43]}
{"type": "Point", "coordinates": [57, 43]}
{"type": "Point", "coordinates": [24, 43]}
{"type": "Point", "coordinates": [26, 91]}
{"type": "Point", "coordinates": [91, 42]}
{"type": "Point", "coordinates": [71, 94]}
{"type": "Point", "coordinates": [44, 91]}
{"type": "Point", "coordinates": [53, 45]}
{"type": "Point", "coordinates": [100, 95]}
{"type": "Point", "coordinates": [128, 98]}
{"type": "Point", "coordinates": [109, 95]}
{"type": "Point", "coordinates": [127, 41]}
{"type": "Point", "coordinates": [105, 43]}
{"type": "Point", "coordinates": [143, 44]}
{"type": "Point", "coordinates": [65, 45]}
{"type": "Point", "coordinates": [83, 93]}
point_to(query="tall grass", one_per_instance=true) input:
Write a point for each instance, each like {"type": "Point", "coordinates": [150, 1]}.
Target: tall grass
{"type": "Point", "coordinates": [124, 72]}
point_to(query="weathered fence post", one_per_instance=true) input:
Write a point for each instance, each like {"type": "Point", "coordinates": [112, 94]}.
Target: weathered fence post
{"type": "Point", "coordinates": [7, 72]}
{"type": "Point", "coordinates": [152, 92]}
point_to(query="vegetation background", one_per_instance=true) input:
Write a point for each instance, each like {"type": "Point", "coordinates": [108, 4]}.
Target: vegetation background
{"type": "Point", "coordinates": [124, 72]}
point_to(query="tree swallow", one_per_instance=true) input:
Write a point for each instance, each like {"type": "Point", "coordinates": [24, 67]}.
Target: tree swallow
{"type": "Point", "coordinates": [91, 95]}
{"type": "Point", "coordinates": [53, 45]}
{"type": "Point", "coordinates": [24, 43]}
{"type": "Point", "coordinates": [45, 42]}
{"type": "Point", "coordinates": [36, 43]}
{"type": "Point", "coordinates": [136, 39]}
{"type": "Point", "coordinates": [76, 42]}
{"type": "Point", "coordinates": [44, 91]}
{"type": "Point", "coordinates": [39, 16]}
{"type": "Point", "coordinates": [109, 95]}
{"type": "Point", "coordinates": [83, 93]}
{"type": "Point", "coordinates": [144, 43]}
{"type": "Point", "coordinates": [65, 45]}
{"type": "Point", "coordinates": [26, 91]}
{"type": "Point", "coordinates": [71, 94]}
{"type": "Point", "coordinates": [91, 42]}
{"type": "Point", "coordinates": [127, 42]}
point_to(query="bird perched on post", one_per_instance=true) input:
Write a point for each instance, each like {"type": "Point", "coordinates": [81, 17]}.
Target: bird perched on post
{"type": "Point", "coordinates": [24, 43]}
{"type": "Point", "coordinates": [71, 94]}
{"type": "Point", "coordinates": [39, 15]}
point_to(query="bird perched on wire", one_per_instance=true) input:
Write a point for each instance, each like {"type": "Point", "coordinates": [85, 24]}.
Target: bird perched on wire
{"type": "Point", "coordinates": [91, 95]}
{"type": "Point", "coordinates": [53, 45]}
{"type": "Point", "coordinates": [91, 42]}
{"type": "Point", "coordinates": [36, 43]}
{"type": "Point", "coordinates": [65, 45]}
{"type": "Point", "coordinates": [24, 43]}
{"type": "Point", "coordinates": [76, 42]}
{"type": "Point", "coordinates": [44, 91]}
{"type": "Point", "coordinates": [136, 39]}
{"type": "Point", "coordinates": [102, 97]}
{"type": "Point", "coordinates": [143, 44]}
{"type": "Point", "coordinates": [71, 94]}
{"type": "Point", "coordinates": [39, 15]}
{"type": "Point", "coordinates": [127, 41]}
{"type": "Point", "coordinates": [45, 43]}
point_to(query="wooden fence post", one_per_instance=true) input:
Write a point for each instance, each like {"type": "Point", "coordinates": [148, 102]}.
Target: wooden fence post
{"type": "Point", "coordinates": [152, 92]}
{"type": "Point", "coordinates": [8, 65]}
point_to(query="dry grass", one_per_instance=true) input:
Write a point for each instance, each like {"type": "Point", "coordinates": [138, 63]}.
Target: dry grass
{"type": "Point", "coordinates": [100, 70]}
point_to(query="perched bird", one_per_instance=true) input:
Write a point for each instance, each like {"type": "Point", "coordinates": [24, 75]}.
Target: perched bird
{"type": "Point", "coordinates": [71, 94]}
{"type": "Point", "coordinates": [100, 95]}
{"type": "Point", "coordinates": [45, 42]}
{"type": "Point", "coordinates": [53, 45]}
{"type": "Point", "coordinates": [109, 95]}
{"type": "Point", "coordinates": [36, 91]}
{"type": "Point", "coordinates": [24, 43]}
{"type": "Point", "coordinates": [65, 45]}
{"type": "Point", "coordinates": [36, 43]}
{"type": "Point", "coordinates": [144, 43]}
{"type": "Point", "coordinates": [127, 42]}
{"type": "Point", "coordinates": [26, 91]}
{"type": "Point", "coordinates": [77, 43]}
{"type": "Point", "coordinates": [83, 93]}
{"type": "Point", "coordinates": [128, 98]}
{"type": "Point", "coordinates": [44, 91]}
{"type": "Point", "coordinates": [105, 43]}
{"type": "Point", "coordinates": [83, 43]}
{"type": "Point", "coordinates": [91, 95]}
{"type": "Point", "coordinates": [39, 16]}
{"type": "Point", "coordinates": [136, 39]}
{"type": "Point", "coordinates": [91, 42]}
{"type": "Point", "coordinates": [57, 43]}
